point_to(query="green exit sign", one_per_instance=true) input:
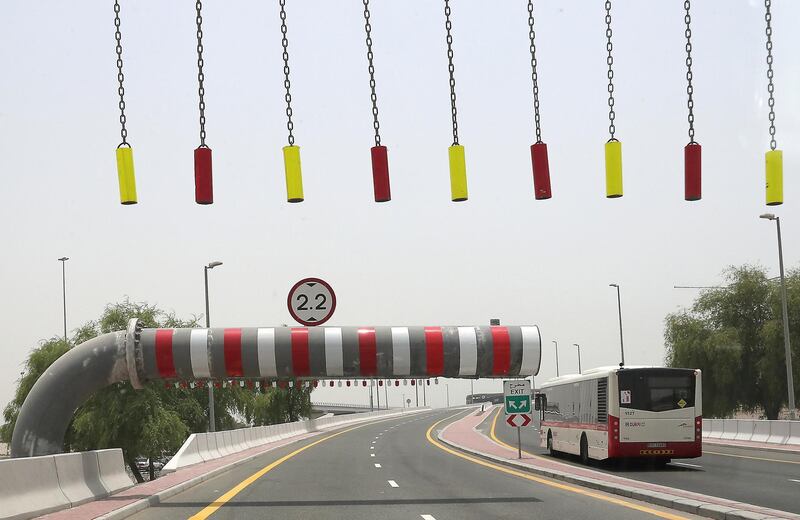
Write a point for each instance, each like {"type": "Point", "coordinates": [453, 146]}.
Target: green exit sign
{"type": "Point", "coordinates": [517, 396]}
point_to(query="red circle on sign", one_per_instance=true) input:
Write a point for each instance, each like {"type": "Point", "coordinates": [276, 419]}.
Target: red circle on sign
{"type": "Point", "coordinates": [294, 314]}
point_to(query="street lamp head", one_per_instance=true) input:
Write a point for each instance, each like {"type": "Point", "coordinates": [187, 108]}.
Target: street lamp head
{"type": "Point", "coordinates": [613, 285]}
{"type": "Point", "coordinates": [768, 216]}
{"type": "Point", "coordinates": [212, 265]}
{"type": "Point", "coordinates": [575, 345]}
{"type": "Point", "coordinates": [63, 259]}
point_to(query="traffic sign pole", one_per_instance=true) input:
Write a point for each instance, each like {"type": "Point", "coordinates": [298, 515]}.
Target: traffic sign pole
{"type": "Point", "coordinates": [519, 443]}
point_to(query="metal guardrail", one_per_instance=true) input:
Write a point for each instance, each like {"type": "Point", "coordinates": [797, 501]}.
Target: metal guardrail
{"type": "Point", "coordinates": [346, 405]}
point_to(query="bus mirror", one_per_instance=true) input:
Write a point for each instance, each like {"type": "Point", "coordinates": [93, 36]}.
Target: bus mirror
{"type": "Point", "coordinates": [540, 402]}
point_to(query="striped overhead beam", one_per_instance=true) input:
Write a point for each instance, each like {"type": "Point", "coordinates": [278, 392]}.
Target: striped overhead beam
{"type": "Point", "coordinates": [338, 352]}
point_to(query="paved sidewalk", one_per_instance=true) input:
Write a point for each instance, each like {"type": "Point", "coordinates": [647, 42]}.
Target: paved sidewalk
{"type": "Point", "coordinates": [463, 434]}
{"type": "Point", "coordinates": [141, 496]}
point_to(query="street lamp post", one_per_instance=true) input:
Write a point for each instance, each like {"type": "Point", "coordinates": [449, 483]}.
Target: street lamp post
{"type": "Point", "coordinates": [786, 341]}
{"type": "Point", "coordinates": [211, 419]}
{"type": "Point", "coordinates": [63, 261]}
{"type": "Point", "coordinates": [579, 357]}
{"type": "Point", "coordinates": [556, 344]}
{"type": "Point", "coordinates": [619, 308]}
{"type": "Point", "coordinates": [447, 389]}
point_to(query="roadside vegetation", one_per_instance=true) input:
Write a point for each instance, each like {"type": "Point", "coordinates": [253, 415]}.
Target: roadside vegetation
{"type": "Point", "coordinates": [734, 334]}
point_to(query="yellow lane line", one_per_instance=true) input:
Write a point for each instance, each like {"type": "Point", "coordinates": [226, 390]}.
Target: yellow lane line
{"type": "Point", "coordinates": [225, 498]}
{"type": "Point", "coordinates": [750, 457]}
{"type": "Point", "coordinates": [548, 482]}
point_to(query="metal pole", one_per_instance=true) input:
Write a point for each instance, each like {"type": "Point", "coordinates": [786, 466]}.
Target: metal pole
{"type": "Point", "coordinates": [371, 405]}
{"type": "Point", "coordinates": [424, 397]}
{"type": "Point", "coordinates": [416, 391]}
{"type": "Point", "coordinates": [556, 342]}
{"type": "Point", "coordinates": [63, 261]}
{"type": "Point", "coordinates": [472, 388]}
{"type": "Point", "coordinates": [519, 443]}
{"type": "Point", "coordinates": [619, 308]}
{"type": "Point", "coordinates": [447, 388]}
{"type": "Point", "coordinates": [211, 418]}
{"type": "Point", "coordinates": [579, 358]}
{"type": "Point", "coordinates": [378, 395]}
{"type": "Point", "coordinates": [386, 394]}
{"type": "Point", "coordinates": [786, 341]}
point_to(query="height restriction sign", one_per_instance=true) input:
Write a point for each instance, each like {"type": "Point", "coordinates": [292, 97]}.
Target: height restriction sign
{"type": "Point", "coordinates": [517, 396]}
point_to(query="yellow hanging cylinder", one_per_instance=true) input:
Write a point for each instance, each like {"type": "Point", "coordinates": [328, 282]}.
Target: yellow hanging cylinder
{"type": "Point", "coordinates": [458, 173]}
{"type": "Point", "coordinates": [774, 160]}
{"type": "Point", "coordinates": [127, 178]}
{"type": "Point", "coordinates": [294, 174]}
{"type": "Point", "coordinates": [613, 169]}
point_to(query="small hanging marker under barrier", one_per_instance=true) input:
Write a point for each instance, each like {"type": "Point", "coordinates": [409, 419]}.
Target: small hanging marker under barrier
{"type": "Point", "coordinates": [203, 186]}
{"type": "Point", "coordinates": [613, 169]}
{"type": "Point", "coordinates": [294, 174]}
{"type": "Point", "coordinates": [774, 168]}
{"type": "Point", "coordinates": [125, 173]}
{"type": "Point", "coordinates": [458, 173]}
{"type": "Point", "coordinates": [380, 174]}
{"type": "Point", "coordinates": [692, 155]}
{"type": "Point", "coordinates": [541, 171]}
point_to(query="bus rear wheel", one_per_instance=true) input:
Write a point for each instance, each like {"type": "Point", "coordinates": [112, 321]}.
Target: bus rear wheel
{"type": "Point", "coordinates": [584, 450]}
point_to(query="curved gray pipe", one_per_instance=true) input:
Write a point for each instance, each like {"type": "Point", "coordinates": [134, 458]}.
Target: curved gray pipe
{"type": "Point", "coordinates": [270, 353]}
{"type": "Point", "coordinates": [67, 383]}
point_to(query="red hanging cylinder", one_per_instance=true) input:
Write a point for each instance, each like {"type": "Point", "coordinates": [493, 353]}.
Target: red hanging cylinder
{"type": "Point", "coordinates": [692, 171]}
{"type": "Point", "coordinates": [541, 171]}
{"type": "Point", "coordinates": [203, 188]}
{"type": "Point", "coordinates": [380, 174]}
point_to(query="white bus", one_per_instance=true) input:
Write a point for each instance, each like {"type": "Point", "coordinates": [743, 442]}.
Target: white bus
{"type": "Point", "coordinates": [629, 412]}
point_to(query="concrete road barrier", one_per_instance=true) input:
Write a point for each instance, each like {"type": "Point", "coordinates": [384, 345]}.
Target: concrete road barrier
{"type": "Point", "coordinates": [112, 470]}
{"type": "Point", "coordinates": [761, 431]}
{"type": "Point", "coordinates": [794, 434]}
{"type": "Point", "coordinates": [780, 432]}
{"type": "Point", "coordinates": [29, 487]}
{"type": "Point", "coordinates": [79, 477]}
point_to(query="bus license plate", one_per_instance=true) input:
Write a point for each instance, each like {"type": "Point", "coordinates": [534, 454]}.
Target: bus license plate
{"type": "Point", "coordinates": [656, 444]}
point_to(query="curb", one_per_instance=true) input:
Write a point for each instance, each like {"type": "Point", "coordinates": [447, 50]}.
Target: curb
{"type": "Point", "coordinates": [777, 448]}
{"type": "Point", "coordinates": [157, 498]}
{"type": "Point", "coordinates": [686, 505]}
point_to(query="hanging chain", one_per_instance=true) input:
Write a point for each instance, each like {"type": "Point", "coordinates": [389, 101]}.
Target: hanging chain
{"type": "Point", "coordinates": [286, 82]}
{"type": "Point", "coordinates": [120, 77]}
{"type": "Point", "coordinates": [373, 96]}
{"type": "Point", "coordinates": [687, 4]}
{"type": "Point", "coordinates": [201, 91]}
{"type": "Point", "coordinates": [610, 61]}
{"type": "Point", "coordinates": [770, 85]}
{"type": "Point", "coordinates": [534, 75]}
{"type": "Point", "coordinates": [448, 25]}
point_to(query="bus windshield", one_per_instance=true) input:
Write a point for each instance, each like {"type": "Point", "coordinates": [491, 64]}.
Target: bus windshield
{"type": "Point", "coordinates": [656, 390]}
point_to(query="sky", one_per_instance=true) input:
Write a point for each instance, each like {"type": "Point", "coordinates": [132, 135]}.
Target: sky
{"type": "Point", "coordinates": [419, 259]}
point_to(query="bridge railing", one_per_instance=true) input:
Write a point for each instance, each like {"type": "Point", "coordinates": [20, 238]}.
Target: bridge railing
{"type": "Point", "coordinates": [346, 405]}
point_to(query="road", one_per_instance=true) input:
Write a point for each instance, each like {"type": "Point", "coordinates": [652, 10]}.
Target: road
{"type": "Point", "coordinates": [761, 477]}
{"type": "Point", "coordinates": [392, 469]}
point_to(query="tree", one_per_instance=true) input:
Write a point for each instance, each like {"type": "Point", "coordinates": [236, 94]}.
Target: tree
{"type": "Point", "coordinates": [735, 335]}
{"type": "Point", "coordinates": [155, 421]}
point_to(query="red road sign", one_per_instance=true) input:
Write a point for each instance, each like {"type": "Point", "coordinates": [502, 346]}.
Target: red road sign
{"type": "Point", "coordinates": [511, 419]}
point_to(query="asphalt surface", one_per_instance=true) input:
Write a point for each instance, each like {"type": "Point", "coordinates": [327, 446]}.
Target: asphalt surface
{"type": "Point", "coordinates": [760, 477]}
{"type": "Point", "coordinates": [389, 470]}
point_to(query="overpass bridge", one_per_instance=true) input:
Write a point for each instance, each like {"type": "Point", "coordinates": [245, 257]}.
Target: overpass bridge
{"type": "Point", "coordinates": [320, 408]}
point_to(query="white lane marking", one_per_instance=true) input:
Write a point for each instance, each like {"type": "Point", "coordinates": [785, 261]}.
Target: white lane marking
{"type": "Point", "coordinates": [377, 465]}
{"type": "Point", "coordinates": [393, 483]}
{"type": "Point", "coordinates": [372, 447]}
{"type": "Point", "coordinates": [427, 517]}
{"type": "Point", "coordinates": [687, 464]}
{"type": "Point", "coordinates": [794, 480]}
{"type": "Point", "coordinates": [371, 454]}
{"type": "Point", "coordinates": [373, 442]}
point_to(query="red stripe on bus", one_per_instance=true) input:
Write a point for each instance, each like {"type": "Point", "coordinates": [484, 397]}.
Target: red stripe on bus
{"type": "Point", "coordinates": [434, 350]}
{"type": "Point", "coordinates": [165, 363]}
{"type": "Point", "coordinates": [502, 351]}
{"type": "Point", "coordinates": [578, 426]}
{"type": "Point", "coordinates": [367, 352]}
{"type": "Point", "coordinates": [300, 363]}
{"type": "Point", "coordinates": [232, 346]}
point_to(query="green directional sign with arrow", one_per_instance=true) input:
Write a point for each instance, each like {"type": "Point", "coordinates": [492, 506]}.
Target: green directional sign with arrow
{"type": "Point", "coordinates": [517, 396]}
